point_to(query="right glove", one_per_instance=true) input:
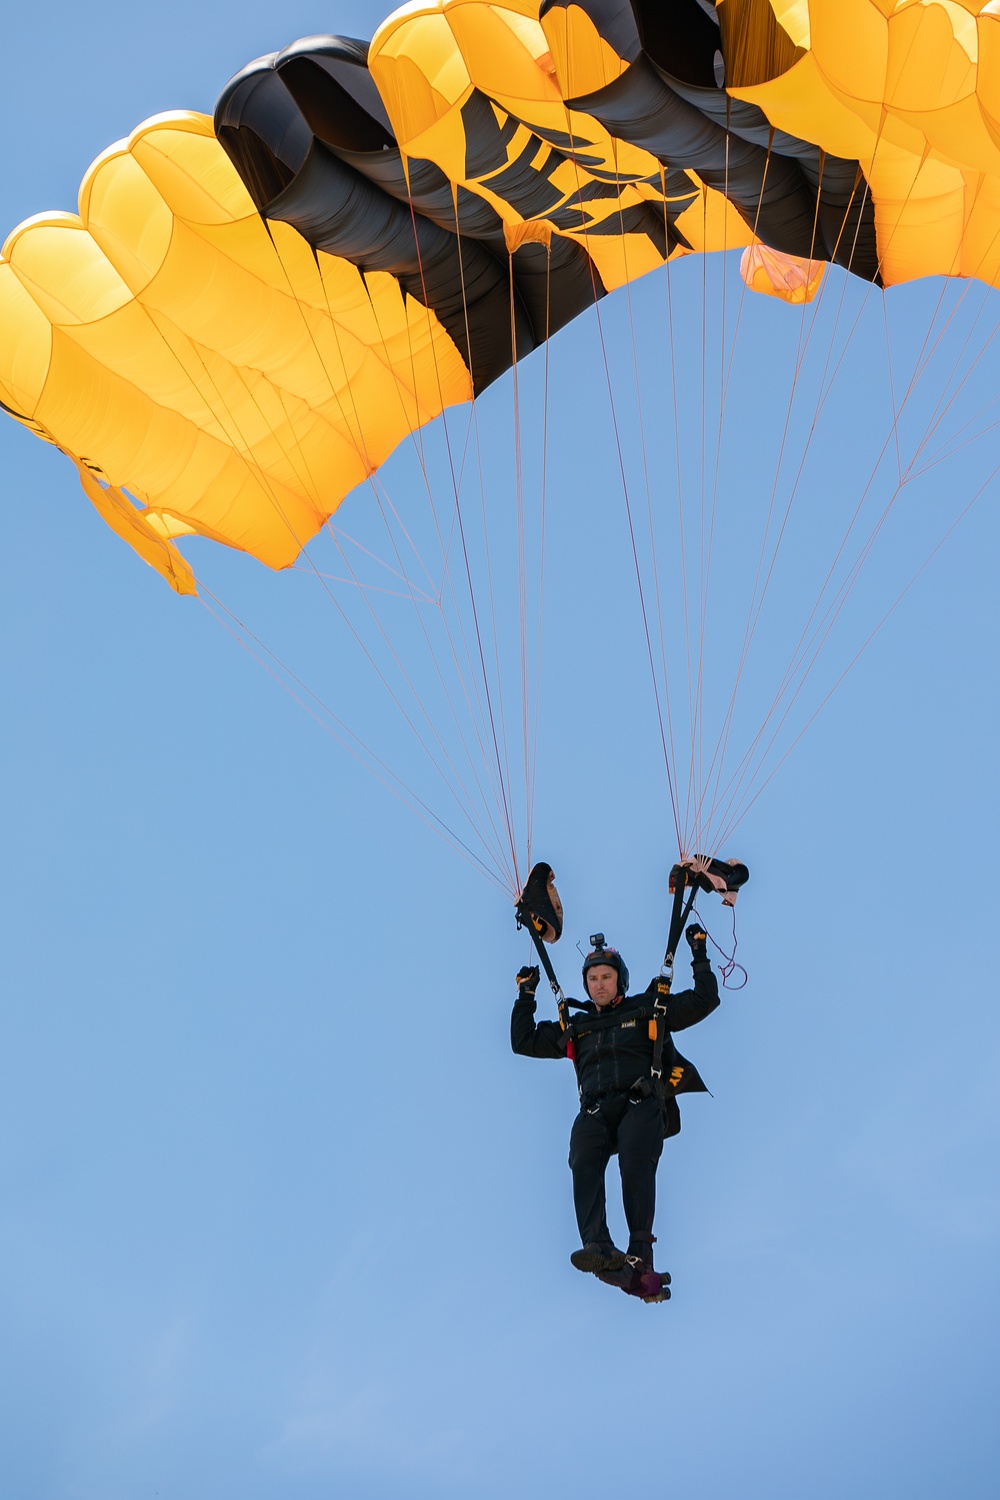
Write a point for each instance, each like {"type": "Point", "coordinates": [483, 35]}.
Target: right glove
{"type": "Point", "coordinates": [527, 981]}
{"type": "Point", "coordinates": [698, 939]}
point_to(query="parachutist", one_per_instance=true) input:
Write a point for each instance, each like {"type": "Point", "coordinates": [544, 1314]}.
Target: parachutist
{"type": "Point", "coordinates": [629, 1073]}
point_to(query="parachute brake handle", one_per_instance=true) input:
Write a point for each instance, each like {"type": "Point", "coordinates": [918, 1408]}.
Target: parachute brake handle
{"type": "Point", "coordinates": [725, 877]}
{"type": "Point", "coordinates": [538, 909]}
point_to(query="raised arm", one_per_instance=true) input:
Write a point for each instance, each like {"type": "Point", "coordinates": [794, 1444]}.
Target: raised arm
{"type": "Point", "coordinates": [688, 1007]}
{"type": "Point", "coordinates": [529, 1037]}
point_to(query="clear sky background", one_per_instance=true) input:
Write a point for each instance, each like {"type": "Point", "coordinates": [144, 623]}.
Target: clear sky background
{"type": "Point", "coordinates": [283, 1216]}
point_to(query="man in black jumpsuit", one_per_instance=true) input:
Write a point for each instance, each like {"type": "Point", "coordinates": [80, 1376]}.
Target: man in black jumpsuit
{"type": "Point", "coordinates": [623, 1108]}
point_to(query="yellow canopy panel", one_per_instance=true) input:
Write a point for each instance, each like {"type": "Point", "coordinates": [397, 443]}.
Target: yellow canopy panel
{"type": "Point", "coordinates": [233, 382]}
{"type": "Point", "coordinates": [911, 88]}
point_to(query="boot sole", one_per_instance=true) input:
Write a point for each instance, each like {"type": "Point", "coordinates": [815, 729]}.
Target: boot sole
{"type": "Point", "coordinates": [599, 1260]}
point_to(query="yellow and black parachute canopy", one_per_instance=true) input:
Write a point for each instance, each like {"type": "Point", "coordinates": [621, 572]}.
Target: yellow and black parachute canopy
{"type": "Point", "coordinates": [243, 320]}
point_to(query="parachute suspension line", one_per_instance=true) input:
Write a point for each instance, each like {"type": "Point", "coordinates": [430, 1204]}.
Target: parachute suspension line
{"type": "Point", "coordinates": [469, 807]}
{"type": "Point", "coordinates": [442, 615]}
{"type": "Point", "coordinates": [502, 765]}
{"type": "Point", "coordinates": [419, 449]}
{"type": "Point", "coordinates": [454, 783]}
{"type": "Point", "coordinates": [697, 732]}
{"type": "Point", "coordinates": [367, 588]}
{"type": "Point", "coordinates": [708, 544]}
{"type": "Point", "coordinates": [942, 455]}
{"type": "Point", "coordinates": [892, 392]}
{"type": "Point", "coordinates": [670, 774]}
{"type": "Point", "coordinates": [725, 375]}
{"type": "Point", "coordinates": [352, 743]}
{"type": "Point", "coordinates": [522, 563]}
{"type": "Point", "coordinates": [743, 810]}
{"type": "Point", "coordinates": [511, 841]}
{"type": "Point", "coordinates": [242, 448]}
{"type": "Point", "coordinates": [829, 619]}
{"type": "Point", "coordinates": [355, 431]}
{"type": "Point", "coordinates": [833, 611]}
{"type": "Point", "coordinates": [696, 834]}
{"type": "Point", "coordinates": [384, 499]}
{"type": "Point", "coordinates": [828, 623]}
{"type": "Point", "coordinates": [796, 663]}
{"type": "Point", "coordinates": [416, 434]}
{"type": "Point", "coordinates": [418, 612]}
{"type": "Point", "coordinates": [227, 419]}
{"type": "Point", "coordinates": [467, 810]}
{"type": "Point", "coordinates": [541, 549]}
{"type": "Point", "coordinates": [756, 604]}
{"type": "Point", "coordinates": [477, 716]}
{"type": "Point", "coordinates": [647, 485]}
{"type": "Point", "coordinates": [499, 760]}
{"type": "Point", "coordinates": [650, 515]}
{"type": "Point", "coordinates": [445, 544]}
{"type": "Point", "coordinates": [941, 409]}
{"type": "Point", "coordinates": [503, 769]}
{"type": "Point", "coordinates": [941, 412]}
{"type": "Point", "coordinates": [743, 288]}
{"type": "Point", "coordinates": [455, 780]}
{"type": "Point", "coordinates": [952, 445]}
{"type": "Point", "coordinates": [499, 767]}
{"type": "Point", "coordinates": [628, 511]}
{"type": "Point", "coordinates": [824, 389]}
{"type": "Point", "coordinates": [824, 392]}
{"type": "Point", "coordinates": [681, 530]}
{"type": "Point", "coordinates": [229, 422]}
{"type": "Point", "coordinates": [805, 656]}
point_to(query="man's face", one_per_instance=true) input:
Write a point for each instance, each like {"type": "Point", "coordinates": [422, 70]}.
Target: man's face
{"type": "Point", "coordinates": [602, 984]}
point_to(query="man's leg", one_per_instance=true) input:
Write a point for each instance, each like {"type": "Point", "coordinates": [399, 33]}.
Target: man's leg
{"type": "Point", "coordinates": [640, 1142]}
{"type": "Point", "coordinates": [590, 1148]}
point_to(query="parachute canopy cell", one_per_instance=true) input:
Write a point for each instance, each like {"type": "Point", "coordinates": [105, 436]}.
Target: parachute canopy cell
{"type": "Point", "coordinates": [245, 318]}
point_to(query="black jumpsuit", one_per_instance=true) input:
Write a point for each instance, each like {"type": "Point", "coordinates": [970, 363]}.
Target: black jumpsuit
{"type": "Point", "coordinates": [618, 1113]}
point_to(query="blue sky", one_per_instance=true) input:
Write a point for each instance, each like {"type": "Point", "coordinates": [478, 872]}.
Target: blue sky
{"type": "Point", "coordinates": [283, 1215]}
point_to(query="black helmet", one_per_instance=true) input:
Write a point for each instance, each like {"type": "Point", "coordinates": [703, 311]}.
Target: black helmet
{"type": "Point", "coordinates": [609, 956]}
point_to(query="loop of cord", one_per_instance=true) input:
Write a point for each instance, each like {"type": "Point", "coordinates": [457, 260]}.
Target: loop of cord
{"type": "Point", "coordinates": [729, 966]}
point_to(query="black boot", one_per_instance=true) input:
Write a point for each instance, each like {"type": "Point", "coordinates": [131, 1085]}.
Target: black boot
{"type": "Point", "coordinates": [599, 1256]}
{"type": "Point", "coordinates": [640, 1250]}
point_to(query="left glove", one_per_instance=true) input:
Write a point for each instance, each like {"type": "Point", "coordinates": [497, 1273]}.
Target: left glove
{"type": "Point", "coordinates": [527, 981]}
{"type": "Point", "coordinates": [698, 939]}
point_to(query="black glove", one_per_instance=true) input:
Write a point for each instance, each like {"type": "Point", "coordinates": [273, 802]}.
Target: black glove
{"type": "Point", "coordinates": [698, 939]}
{"type": "Point", "coordinates": [527, 981]}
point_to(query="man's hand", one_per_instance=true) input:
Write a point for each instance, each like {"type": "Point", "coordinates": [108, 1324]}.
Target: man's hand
{"type": "Point", "coordinates": [698, 939]}
{"type": "Point", "coordinates": [527, 981]}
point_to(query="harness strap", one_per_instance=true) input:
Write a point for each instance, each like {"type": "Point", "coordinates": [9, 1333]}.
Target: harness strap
{"type": "Point", "coordinates": [679, 914]}
{"type": "Point", "coordinates": [580, 1025]}
{"type": "Point", "coordinates": [535, 927]}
